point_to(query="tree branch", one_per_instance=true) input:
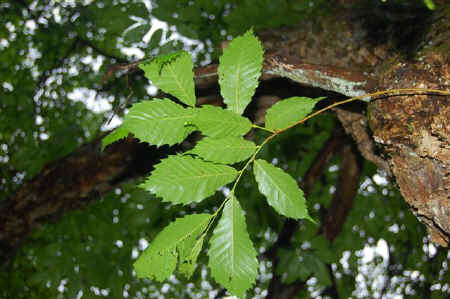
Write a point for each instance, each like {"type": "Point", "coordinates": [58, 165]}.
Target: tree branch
{"type": "Point", "coordinates": [346, 190]}
{"type": "Point", "coordinates": [71, 183]}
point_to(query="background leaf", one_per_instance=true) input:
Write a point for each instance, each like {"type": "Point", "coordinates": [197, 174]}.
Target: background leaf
{"type": "Point", "coordinates": [280, 189]}
{"type": "Point", "coordinates": [317, 267]}
{"type": "Point", "coordinates": [177, 240]}
{"type": "Point", "coordinates": [158, 122]}
{"type": "Point", "coordinates": [136, 34]}
{"type": "Point", "coordinates": [224, 150]}
{"type": "Point", "coordinates": [291, 266]}
{"type": "Point", "coordinates": [239, 69]}
{"type": "Point", "coordinates": [289, 111]}
{"type": "Point", "coordinates": [232, 258]}
{"type": "Point", "coordinates": [216, 122]}
{"type": "Point", "coordinates": [183, 179]}
{"type": "Point", "coordinates": [173, 74]}
{"type": "Point", "coordinates": [300, 266]}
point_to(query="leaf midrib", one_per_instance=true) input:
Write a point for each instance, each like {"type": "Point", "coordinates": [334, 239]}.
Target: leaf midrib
{"type": "Point", "coordinates": [280, 190]}
{"type": "Point", "coordinates": [173, 73]}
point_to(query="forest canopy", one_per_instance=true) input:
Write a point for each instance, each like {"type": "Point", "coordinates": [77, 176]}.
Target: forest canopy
{"type": "Point", "coordinates": [74, 220]}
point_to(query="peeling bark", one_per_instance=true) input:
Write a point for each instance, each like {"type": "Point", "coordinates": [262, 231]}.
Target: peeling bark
{"type": "Point", "coordinates": [411, 130]}
{"type": "Point", "coordinates": [414, 131]}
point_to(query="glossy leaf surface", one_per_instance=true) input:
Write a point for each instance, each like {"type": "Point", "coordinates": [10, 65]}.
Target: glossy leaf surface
{"type": "Point", "coordinates": [239, 69]}
{"type": "Point", "coordinates": [173, 74]}
{"type": "Point", "coordinates": [183, 179]}
{"type": "Point", "coordinates": [289, 111]}
{"type": "Point", "coordinates": [226, 150]}
{"type": "Point", "coordinates": [158, 122]}
{"type": "Point", "coordinates": [232, 257]}
{"type": "Point", "coordinates": [280, 189]}
{"type": "Point", "coordinates": [177, 242]}
{"type": "Point", "coordinates": [217, 122]}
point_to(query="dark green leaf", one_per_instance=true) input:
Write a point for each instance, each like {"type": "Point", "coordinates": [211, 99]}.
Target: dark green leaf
{"type": "Point", "coordinates": [136, 34]}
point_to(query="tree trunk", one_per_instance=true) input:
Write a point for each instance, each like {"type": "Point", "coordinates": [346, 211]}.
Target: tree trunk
{"type": "Point", "coordinates": [351, 53]}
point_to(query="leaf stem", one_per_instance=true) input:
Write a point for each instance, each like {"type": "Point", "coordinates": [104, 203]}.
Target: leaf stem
{"type": "Point", "coordinates": [278, 132]}
{"type": "Point", "coordinates": [262, 128]}
{"type": "Point", "coordinates": [370, 95]}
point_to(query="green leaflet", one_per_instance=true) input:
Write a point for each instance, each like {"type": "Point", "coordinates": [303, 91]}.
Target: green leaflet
{"type": "Point", "coordinates": [173, 74]}
{"type": "Point", "coordinates": [176, 242]}
{"type": "Point", "coordinates": [190, 256]}
{"type": "Point", "coordinates": [232, 258]}
{"type": "Point", "coordinates": [217, 122]}
{"type": "Point", "coordinates": [158, 122]}
{"type": "Point", "coordinates": [239, 69]}
{"type": "Point", "coordinates": [430, 4]}
{"type": "Point", "coordinates": [226, 150]}
{"type": "Point", "coordinates": [280, 189]}
{"type": "Point", "coordinates": [183, 179]}
{"type": "Point", "coordinates": [289, 111]}
{"type": "Point", "coordinates": [117, 134]}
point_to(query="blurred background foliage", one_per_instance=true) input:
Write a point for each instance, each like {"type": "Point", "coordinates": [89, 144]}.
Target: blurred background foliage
{"type": "Point", "coordinates": [54, 56]}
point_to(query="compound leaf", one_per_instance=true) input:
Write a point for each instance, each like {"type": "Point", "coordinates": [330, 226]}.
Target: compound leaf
{"type": "Point", "coordinates": [173, 74]}
{"type": "Point", "coordinates": [232, 257]}
{"type": "Point", "coordinates": [159, 122]}
{"type": "Point", "coordinates": [239, 69]}
{"type": "Point", "coordinates": [176, 242]}
{"type": "Point", "coordinates": [184, 179]}
{"type": "Point", "coordinates": [217, 122]}
{"type": "Point", "coordinates": [226, 150]}
{"type": "Point", "coordinates": [289, 111]}
{"type": "Point", "coordinates": [280, 189]}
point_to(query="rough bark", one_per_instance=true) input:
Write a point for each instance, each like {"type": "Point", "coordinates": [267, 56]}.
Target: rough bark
{"type": "Point", "coordinates": [71, 183]}
{"type": "Point", "coordinates": [337, 53]}
{"type": "Point", "coordinates": [412, 131]}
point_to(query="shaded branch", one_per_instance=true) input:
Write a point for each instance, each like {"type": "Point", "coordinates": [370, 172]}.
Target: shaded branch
{"type": "Point", "coordinates": [346, 190]}
{"type": "Point", "coordinates": [71, 183]}
{"type": "Point", "coordinates": [276, 288]}
{"type": "Point", "coordinates": [100, 51]}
